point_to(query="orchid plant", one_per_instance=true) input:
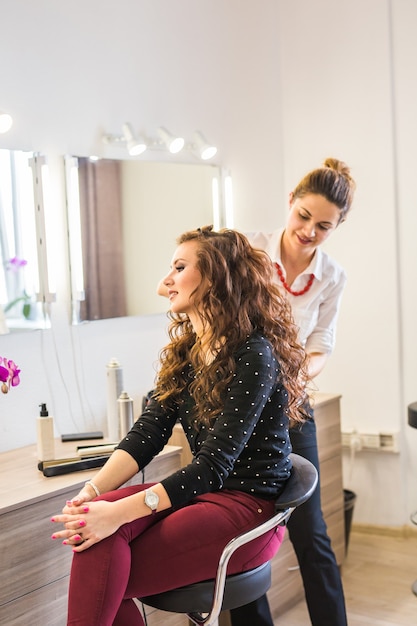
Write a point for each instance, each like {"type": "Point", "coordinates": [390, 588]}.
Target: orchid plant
{"type": "Point", "coordinates": [14, 265]}
{"type": "Point", "coordinates": [9, 374]}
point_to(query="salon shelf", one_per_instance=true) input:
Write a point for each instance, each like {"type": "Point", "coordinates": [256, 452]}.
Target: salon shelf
{"type": "Point", "coordinates": [35, 572]}
{"type": "Point", "coordinates": [287, 588]}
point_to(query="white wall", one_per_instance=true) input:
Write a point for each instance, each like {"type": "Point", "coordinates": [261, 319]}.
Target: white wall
{"type": "Point", "coordinates": [278, 86]}
{"type": "Point", "coordinates": [348, 84]}
{"type": "Point", "coordinates": [78, 69]}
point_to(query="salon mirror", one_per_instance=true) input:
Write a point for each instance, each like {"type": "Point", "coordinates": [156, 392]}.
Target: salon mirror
{"type": "Point", "coordinates": [22, 242]}
{"type": "Point", "coordinates": [124, 217]}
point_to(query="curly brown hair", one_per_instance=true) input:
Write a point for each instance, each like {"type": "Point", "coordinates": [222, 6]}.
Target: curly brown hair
{"type": "Point", "coordinates": [242, 298]}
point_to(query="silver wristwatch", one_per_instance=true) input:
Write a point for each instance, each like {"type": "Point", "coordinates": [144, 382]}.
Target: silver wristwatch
{"type": "Point", "coordinates": [151, 500]}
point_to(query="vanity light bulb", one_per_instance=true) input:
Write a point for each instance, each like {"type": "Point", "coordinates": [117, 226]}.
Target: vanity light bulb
{"type": "Point", "coordinates": [208, 153]}
{"type": "Point", "coordinates": [135, 145]}
{"type": "Point", "coordinates": [135, 148]}
{"type": "Point", "coordinates": [202, 147]}
{"type": "Point", "coordinates": [6, 122]}
{"type": "Point", "coordinates": [228, 201]}
{"type": "Point", "coordinates": [176, 145]}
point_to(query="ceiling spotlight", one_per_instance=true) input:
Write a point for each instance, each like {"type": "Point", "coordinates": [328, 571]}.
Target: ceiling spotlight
{"type": "Point", "coordinates": [6, 122]}
{"type": "Point", "coordinates": [174, 144]}
{"type": "Point", "coordinates": [135, 145]}
{"type": "Point", "coordinates": [204, 150]}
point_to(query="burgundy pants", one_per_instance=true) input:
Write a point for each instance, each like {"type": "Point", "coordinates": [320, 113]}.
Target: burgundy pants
{"type": "Point", "coordinates": [164, 551]}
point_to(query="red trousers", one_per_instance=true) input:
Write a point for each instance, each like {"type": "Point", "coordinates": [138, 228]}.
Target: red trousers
{"type": "Point", "coordinates": [164, 551]}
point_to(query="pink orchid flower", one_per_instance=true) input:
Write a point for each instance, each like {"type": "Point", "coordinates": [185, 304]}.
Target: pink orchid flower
{"type": "Point", "coordinates": [9, 374]}
{"type": "Point", "coordinates": [14, 264]}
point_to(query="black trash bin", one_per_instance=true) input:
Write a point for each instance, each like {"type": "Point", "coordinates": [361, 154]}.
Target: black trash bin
{"type": "Point", "coordinates": [350, 499]}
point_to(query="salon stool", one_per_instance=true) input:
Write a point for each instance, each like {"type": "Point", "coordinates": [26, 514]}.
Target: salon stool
{"type": "Point", "coordinates": [203, 601]}
{"type": "Point", "coordinates": [412, 421]}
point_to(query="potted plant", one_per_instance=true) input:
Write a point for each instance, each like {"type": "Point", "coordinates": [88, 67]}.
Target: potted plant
{"type": "Point", "coordinates": [9, 374]}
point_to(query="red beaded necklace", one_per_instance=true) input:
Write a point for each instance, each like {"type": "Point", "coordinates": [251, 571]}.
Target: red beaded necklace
{"type": "Point", "coordinates": [288, 288]}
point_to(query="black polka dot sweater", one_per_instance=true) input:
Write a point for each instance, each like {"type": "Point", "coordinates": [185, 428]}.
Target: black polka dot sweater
{"type": "Point", "coordinates": [248, 446]}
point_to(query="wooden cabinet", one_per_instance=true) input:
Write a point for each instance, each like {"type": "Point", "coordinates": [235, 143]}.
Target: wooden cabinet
{"type": "Point", "coordinates": [327, 416]}
{"type": "Point", "coordinates": [34, 569]}
{"type": "Point", "coordinates": [287, 587]}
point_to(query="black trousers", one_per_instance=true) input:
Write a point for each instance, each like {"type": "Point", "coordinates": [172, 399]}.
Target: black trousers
{"type": "Point", "coordinates": [308, 534]}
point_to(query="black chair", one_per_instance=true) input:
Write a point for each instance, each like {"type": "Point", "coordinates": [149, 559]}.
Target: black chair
{"type": "Point", "coordinates": [203, 601]}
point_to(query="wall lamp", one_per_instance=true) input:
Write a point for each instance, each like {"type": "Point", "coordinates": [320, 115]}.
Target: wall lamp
{"type": "Point", "coordinates": [202, 147]}
{"type": "Point", "coordinates": [135, 145]}
{"type": "Point", "coordinates": [165, 140]}
{"type": "Point", "coordinates": [172, 143]}
{"type": "Point", "coordinates": [6, 122]}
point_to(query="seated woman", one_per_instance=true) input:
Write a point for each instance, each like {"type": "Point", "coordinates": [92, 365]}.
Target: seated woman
{"type": "Point", "coordinates": [231, 375]}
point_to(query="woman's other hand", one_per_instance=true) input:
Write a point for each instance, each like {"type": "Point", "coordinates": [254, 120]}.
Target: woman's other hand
{"type": "Point", "coordinates": [86, 525]}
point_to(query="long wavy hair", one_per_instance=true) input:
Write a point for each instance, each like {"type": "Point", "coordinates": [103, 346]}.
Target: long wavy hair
{"type": "Point", "coordinates": [242, 298]}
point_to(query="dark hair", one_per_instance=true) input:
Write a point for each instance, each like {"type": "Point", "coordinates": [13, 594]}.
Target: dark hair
{"type": "Point", "coordinates": [242, 298]}
{"type": "Point", "coordinates": [333, 181]}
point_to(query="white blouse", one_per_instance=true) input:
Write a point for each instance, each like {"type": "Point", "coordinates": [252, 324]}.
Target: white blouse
{"type": "Point", "coordinates": [316, 311]}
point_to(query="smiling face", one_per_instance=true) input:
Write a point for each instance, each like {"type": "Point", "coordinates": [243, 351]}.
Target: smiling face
{"type": "Point", "coordinates": [311, 221]}
{"type": "Point", "coordinates": [183, 279]}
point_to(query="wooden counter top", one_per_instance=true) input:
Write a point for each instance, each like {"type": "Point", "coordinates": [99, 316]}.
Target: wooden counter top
{"type": "Point", "coordinates": [320, 399]}
{"type": "Point", "coordinates": [34, 585]}
{"type": "Point", "coordinates": [21, 483]}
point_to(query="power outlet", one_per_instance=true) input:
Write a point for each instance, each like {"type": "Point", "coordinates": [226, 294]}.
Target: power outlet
{"type": "Point", "coordinates": [389, 442]}
{"type": "Point", "coordinates": [346, 439]}
{"type": "Point", "coordinates": [383, 442]}
{"type": "Point", "coordinates": [371, 442]}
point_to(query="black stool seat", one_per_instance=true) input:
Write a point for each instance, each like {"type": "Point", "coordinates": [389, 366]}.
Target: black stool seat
{"type": "Point", "coordinates": [198, 597]}
{"type": "Point", "coordinates": [203, 601]}
{"type": "Point", "coordinates": [412, 421]}
{"type": "Point", "coordinates": [412, 415]}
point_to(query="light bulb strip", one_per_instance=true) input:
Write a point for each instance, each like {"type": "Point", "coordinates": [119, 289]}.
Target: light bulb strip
{"type": "Point", "coordinates": [45, 295]}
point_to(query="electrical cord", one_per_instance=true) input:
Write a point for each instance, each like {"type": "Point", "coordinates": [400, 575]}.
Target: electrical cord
{"type": "Point", "coordinates": [62, 377]}
{"type": "Point", "coordinates": [80, 373]}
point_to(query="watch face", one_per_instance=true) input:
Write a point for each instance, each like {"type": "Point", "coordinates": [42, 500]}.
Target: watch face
{"type": "Point", "coordinates": [151, 499]}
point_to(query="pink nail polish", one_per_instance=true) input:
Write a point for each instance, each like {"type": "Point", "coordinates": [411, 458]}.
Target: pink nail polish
{"type": "Point", "coordinates": [85, 509]}
{"type": "Point", "coordinates": [82, 522]}
{"type": "Point", "coordinates": [77, 538]}
{"type": "Point", "coordinates": [53, 536]}
{"type": "Point", "coordinates": [65, 542]}
{"type": "Point", "coordinates": [52, 519]}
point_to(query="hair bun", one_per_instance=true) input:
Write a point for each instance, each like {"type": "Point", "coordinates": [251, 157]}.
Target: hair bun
{"type": "Point", "coordinates": [338, 166]}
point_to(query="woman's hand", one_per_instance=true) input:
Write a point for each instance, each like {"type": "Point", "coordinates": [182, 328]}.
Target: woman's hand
{"type": "Point", "coordinates": [86, 525]}
{"type": "Point", "coordinates": [85, 495]}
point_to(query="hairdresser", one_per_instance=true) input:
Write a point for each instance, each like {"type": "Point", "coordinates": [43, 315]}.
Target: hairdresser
{"type": "Point", "coordinates": [313, 283]}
